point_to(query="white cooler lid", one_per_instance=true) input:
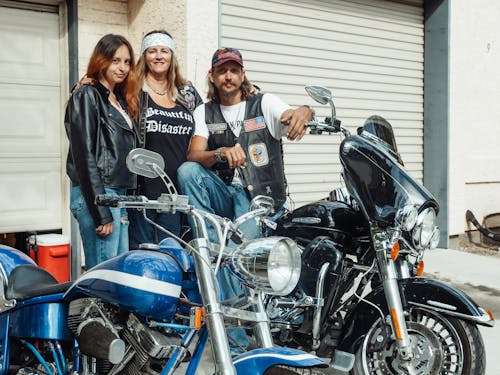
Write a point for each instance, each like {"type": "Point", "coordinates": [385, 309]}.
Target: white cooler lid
{"type": "Point", "coordinates": [50, 239]}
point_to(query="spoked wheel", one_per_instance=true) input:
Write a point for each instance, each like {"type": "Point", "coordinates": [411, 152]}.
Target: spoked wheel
{"type": "Point", "coordinates": [440, 346]}
{"type": "Point", "coordinates": [287, 370]}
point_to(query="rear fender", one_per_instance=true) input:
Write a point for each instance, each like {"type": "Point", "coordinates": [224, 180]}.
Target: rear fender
{"type": "Point", "coordinates": [257, 361]}
{"type": "Point", "coordinates": [423, 293]}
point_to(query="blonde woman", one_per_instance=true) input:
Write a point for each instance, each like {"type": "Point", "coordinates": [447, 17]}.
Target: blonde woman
{"type": "Point", "coordinates": [166, 126]}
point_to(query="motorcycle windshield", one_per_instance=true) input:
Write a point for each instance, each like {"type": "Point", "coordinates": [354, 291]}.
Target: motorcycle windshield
{"type": "Point", "coordinates": [378, 182]}
{"type": "Point", "coordinates": [379, 131]}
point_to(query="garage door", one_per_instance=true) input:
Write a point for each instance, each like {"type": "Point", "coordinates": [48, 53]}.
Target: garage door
{"type": "Point", "coordinates": [30, 120]}
{"type": "Point", "coordinates": [368, 52]}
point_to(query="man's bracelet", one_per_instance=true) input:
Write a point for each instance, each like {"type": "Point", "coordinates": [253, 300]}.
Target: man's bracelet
{"type": "Point", "coordinates": [218, 156]}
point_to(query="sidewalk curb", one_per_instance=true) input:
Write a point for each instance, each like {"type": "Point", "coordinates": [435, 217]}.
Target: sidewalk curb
{"type": "Point", "coordinates": [463, 267]}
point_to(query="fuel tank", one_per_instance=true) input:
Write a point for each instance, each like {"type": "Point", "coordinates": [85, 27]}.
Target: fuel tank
{"type": "Point", "coordinates": [147, 283]}
{"type": "Point", "coordinates": [10, 258]}
{"type": "Point", "coordinates": [335, 219]}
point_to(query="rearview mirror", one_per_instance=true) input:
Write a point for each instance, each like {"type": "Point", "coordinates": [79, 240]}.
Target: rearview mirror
{"type": "Point", "coordinates": [319, 93]}
{"type": "Point", "coordinates": [145, 163]}
{"type": "Point", "coordinates": [262, 201]}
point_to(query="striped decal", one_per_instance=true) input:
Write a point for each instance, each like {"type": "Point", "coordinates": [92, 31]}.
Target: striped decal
{"type": "Point", "coordinates": [133, 281]}
{"type": "Point", "coordinates": [287, 357]}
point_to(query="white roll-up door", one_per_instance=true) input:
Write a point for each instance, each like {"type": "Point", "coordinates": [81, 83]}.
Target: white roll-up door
{"type": "Point", "coordinates": [368, 52]}
{"type": "Point", "coordinates": [30, 121]}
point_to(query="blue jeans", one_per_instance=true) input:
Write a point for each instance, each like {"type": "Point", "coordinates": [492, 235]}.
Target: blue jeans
{"type": "Point", "coordinates": [209, 193]}
{"type": "Point", "coordinates": [97, 249]}
{"type": "Point", "coordinates": [140, 231]}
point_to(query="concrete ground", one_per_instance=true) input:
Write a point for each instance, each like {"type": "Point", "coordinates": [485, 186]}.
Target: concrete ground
{"type": "Point", "coordinates": [478, 275]}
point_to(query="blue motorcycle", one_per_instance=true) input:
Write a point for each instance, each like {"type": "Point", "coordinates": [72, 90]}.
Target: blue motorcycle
{"type": "Point", "coordinates": [150, 310]}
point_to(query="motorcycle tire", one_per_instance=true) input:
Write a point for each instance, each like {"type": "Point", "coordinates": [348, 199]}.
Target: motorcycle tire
{"type": "Point", "coordinates": [287, 370]}
{"type": "Point", "coordinates": [437, 341]}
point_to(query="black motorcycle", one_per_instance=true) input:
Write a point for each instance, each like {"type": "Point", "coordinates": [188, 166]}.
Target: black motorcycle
{"type": "Point", "coordinates": [361, 299]}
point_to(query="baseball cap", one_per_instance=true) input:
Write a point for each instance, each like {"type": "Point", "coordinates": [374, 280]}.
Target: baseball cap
{"type": "Point", "coordinates": [223, 55]}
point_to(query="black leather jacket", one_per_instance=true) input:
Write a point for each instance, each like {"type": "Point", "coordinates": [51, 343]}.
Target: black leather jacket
{"type": "Point", "coordinates": [99, 141]}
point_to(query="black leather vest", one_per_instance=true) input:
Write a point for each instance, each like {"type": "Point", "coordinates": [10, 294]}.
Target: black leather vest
{"type": "Point", "coordinates": [264, 173]}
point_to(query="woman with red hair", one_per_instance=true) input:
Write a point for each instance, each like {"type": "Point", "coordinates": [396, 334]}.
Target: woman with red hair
{"type": "Point", "coordinates": [101, 128]}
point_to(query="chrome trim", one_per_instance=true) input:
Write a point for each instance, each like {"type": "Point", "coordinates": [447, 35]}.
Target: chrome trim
{"type": "Point", "coordinates": [391, 289]}
{"type": "Point", "coordinates": [248, 316]}
{"type": "Point", "coordinates": [320, 284]}
{"type": "Point", "coordinates": [262, 329]}
{"type": "Point", "coordinates": [209, 291]}
{"type": "Point", "coordinates": [402, 268]}
{"type": "Point", "coordinates": [441, 305]}
{"type": "Point", "coordinates": [5, 304]}
{"type": "Point", "coordinates": [482, 320]}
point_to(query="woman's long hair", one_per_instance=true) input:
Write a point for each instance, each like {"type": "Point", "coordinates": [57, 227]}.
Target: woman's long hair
{"type": "Point", "coordinates": [101, 59]}
{"type": "Point", "coordinates": [175, 80]}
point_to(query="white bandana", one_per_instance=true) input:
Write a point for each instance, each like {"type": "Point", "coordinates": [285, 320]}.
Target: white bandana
{"type": "Point", "coordinates": [157, 39]}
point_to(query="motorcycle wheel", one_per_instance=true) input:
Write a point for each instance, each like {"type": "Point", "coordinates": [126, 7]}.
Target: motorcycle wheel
{"type": "Point", "coordinates": [442, 345]}
{"type": "Point", "coordinates": [287, 370]}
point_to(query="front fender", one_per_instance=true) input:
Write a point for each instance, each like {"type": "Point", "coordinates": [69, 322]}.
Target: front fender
{"type": "Point", "coordinates": [257, 361]}
{"type": "Point", "coordinates": [418, 292]}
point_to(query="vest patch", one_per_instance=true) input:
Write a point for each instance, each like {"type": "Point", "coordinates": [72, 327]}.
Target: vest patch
{"type": "Point", "coordinates": [218, 128]}
{"type": "Point", "coordinates": [258, 154]}
{"type": "Point", "coordinates": [254, 124]}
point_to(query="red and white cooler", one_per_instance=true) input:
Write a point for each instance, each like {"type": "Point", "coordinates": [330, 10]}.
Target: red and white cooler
{"type": "Point", "coordinates": [51, 252]}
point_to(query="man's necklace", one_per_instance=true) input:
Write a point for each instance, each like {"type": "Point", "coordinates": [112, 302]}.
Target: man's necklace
{"type": "Point", "coordinates": [161, 93]}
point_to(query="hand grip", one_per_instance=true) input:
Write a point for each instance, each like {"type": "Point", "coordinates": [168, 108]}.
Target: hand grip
{"type": "Point", "coordinates": [113, 200]}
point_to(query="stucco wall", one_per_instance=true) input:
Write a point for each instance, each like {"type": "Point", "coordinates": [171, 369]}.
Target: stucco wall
{"type": "Point", "coordinates": [474, 110]}
{"type": "Point", "coordinates": [97, 18]}
{"type": "Point", "coordinates": [192, 23]}
{"type": "Point", "coordinates": [202, 40]}
{"type": "Point", "coordinates": [170, 15]}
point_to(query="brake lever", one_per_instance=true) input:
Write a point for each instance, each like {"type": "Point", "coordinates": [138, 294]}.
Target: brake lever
{"type": "Point", "coordinates": [237, 237]}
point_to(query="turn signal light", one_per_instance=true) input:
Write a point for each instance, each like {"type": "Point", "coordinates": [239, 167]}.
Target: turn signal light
{"type": "Point", "coordinates": [395, 251]}
{"type": "Point", "coordinates": [196, 317]}
{"type": "Point", "coordinates": [420, 268]}
{"type": "Point", "coordinates": [490, 314]}
{"type": "Point", "coordinates": [395, 322]}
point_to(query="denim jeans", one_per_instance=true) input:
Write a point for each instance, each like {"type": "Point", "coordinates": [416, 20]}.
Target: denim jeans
{"type": "Point", "coordinates": [209, 193]}
{"type": "Point", "coordinates": [97, 249]}
{"type": "Point", "coordinates": [140, 231]}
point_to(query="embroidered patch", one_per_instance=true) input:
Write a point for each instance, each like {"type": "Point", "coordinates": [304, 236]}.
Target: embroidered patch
{"type": "Point", "coordinates": [258, 154]}
{"type": "Point", "coordinates": [217, 128]}
{"type": "Point", "coordinates": [254, 124]}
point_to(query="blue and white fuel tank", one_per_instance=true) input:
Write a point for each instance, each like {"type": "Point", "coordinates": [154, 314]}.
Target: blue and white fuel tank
{"type": "Point", "coordinates": [10, 258]}
{"type": "Point", "coordinates": [147, 283]}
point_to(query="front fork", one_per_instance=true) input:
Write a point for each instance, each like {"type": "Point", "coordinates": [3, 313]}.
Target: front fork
{"type": "Point", "coordinates": [210, 296]}
{"type": "Point", "coordinates": [216, 312]}
{"type": "Point", "coordinates": [389, 278]}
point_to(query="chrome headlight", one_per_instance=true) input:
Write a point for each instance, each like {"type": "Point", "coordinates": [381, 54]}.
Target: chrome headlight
{"type": "Point", "coordinates": [436, 236]}
{"type": "Point", "coordinates": [271, 264]}
{"type": "Point", "coordinates": [424, 228]}
{"type": "Point", "coordinates": [407, 217]}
